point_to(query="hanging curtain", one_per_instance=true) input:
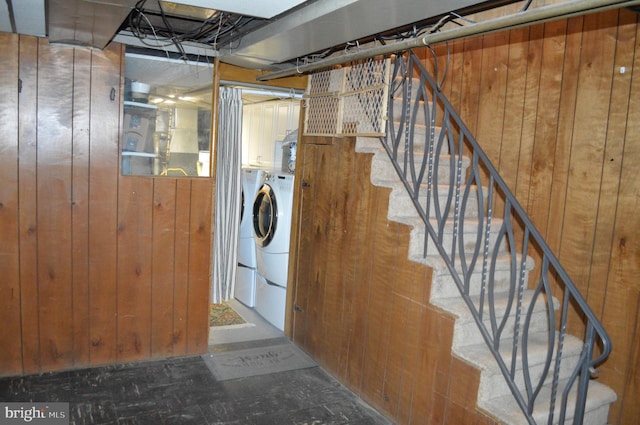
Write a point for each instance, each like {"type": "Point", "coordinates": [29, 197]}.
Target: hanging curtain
{"type": "Point", "coordinates": [227, 195]}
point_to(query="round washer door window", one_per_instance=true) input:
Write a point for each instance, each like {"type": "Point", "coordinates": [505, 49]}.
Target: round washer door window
{"type": "Point", "coordinates": [265, 215]}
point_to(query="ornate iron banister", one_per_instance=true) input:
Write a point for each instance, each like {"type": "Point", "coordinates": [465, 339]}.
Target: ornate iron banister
{"type": "Point", "coordinates": [473, 243]}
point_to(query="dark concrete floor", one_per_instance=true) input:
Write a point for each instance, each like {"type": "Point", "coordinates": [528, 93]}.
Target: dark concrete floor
{"type": "Point", "coordinates": [184, 391]}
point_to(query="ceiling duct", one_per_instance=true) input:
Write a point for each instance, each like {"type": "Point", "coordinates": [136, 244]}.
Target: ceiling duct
{"type": "Point", "coordinates": [90, 23]}
{"type": "Point", "coordinates": [321, 25]}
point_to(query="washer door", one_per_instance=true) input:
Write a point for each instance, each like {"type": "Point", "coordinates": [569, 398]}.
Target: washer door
{"type": "Point", "coordinates": [265, 215]}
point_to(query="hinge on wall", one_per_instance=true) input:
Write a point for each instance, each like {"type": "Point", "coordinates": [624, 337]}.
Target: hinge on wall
{"type": "Point", "coordinates": [297, 308]}
{"type": "Point", "coordinates": [19, 85]}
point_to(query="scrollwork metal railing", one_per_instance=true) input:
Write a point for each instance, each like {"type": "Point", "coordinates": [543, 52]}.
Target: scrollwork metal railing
{"type": "Point", "coordinates": [474, 221]}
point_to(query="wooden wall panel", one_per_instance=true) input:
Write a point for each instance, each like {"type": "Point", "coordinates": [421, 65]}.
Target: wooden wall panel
{"type": "Point", "coordinates": [135, 224]}
{"type": "Point", "coordinates": [53, 191]}
{"type": "Point", "coordinates": [10, 354]}
{"type": "Point", "coordinates": [162, 267]}
{"type": "Point", "coordinates": [97, 268]}
{"type": "Point", "coordinates": [565, 145]}
{"type": "Point", "coordinates": [362, 309]}
{"type": "Point", "coordinates": [27, 142]}
{"type": "Point", "coordinates": [103, 201]}
{"type": "Point", "coordinates": [80, 204]}
{"type": "Point", "coordinates": [181, 264]}
{"type": "Point", "coordinates": [200, 245]}
{"type": "Point", "coordinates": [621, 303]}
{"type": "Point", "coordinates": [568, 119]}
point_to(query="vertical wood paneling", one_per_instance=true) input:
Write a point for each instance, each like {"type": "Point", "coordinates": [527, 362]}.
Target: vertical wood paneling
{"type": "Point", "coordinates": [360, 288]}
{"type": "Point", "coordinates": [97, 268]}
{"type": "Point", "coordinates": [162, 266]}
{"type": "Point", "coordinates": [27, 140]}
{"type": "Point", "coordinates": [199, 265]}
{"type": "Point", "coordinates": [493, 76]}
{"type": "Point", "coordinates": [470, 100]}
{"type": "Point", "coordinates": [10, 338]}
{"type": "Point", "coordinates": [507, 162]}
{"type": "Point", "coordinates": [55, 91]}
{"type": "Point", "coordinates": [563, 143]}
{"type": "Point", "coordinates": [383, 243]}
{"type": "Point", "coordinates": [415, 288]}
{"type": "Point", "coordinates": [351, 194]}
{"type": "Point", "coordinates": [585, 167]}
{"type": "Point", "coordinates": [103, 201]}
{"type": "Point", "coordinates": [181, 266]}
{"type": "Point", "coordinates": [305, 173]}
{"type": "Point", "coordinates": [566, 158]}
{"type": "Point", "coordinates": [566, 148]}
{"type": "Point", "coordinates": [315, 329]}
{"type": "Point", "coordinates": [542, 165]}
{"type": "Point", "coordinates": [80, 204]}
{"type": "Point", "coordinates": [612, 160]}
{"type": "Point", "coordinates": [553, 48]}
{"type": "Point", "coordinates": [622, 297]}
{"type": "Point", "coordinates": [529, 115]}
{"type": "Point", "coordinates": [337, 237]}
{"type": "Point", "coordinates": [135, 213]}
{"type": "Point", "coordinates": [382, 341]}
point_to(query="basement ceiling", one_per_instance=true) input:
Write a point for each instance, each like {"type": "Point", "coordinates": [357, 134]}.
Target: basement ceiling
{"type": "Point", "coordinates": [259, 34]}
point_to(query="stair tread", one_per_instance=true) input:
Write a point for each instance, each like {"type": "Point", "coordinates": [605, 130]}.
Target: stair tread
{"type": "Point", "coordinates": [471, 223]}
{"type": "Point", "coordinates": [508, 411]}
{"type": "Point", "coordinates": [480, 356]}
{"type": "Point", "coordinates": [459, 308]}
{"type": "Point", "coordinates": [502, 262]}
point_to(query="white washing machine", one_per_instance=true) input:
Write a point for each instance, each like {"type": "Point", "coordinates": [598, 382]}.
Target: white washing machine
{"type": "Point", "coordinates": [272, 212]}
{"type": "Point", "coordinates": [245, 290]}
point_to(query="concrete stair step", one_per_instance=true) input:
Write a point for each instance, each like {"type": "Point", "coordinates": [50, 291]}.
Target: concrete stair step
{"type": "Point", "coordinates": [466, 331]}
{"type": "Point", "coordinates": [443, 285]}
{"type": "Point", "coordinates": [401, 204]}
{"type": "Point", "coordinates": [599, 398]}
{"type": "Point", "coordinates": [492, 382]}
{"type": "Point", "coordinates": [419, 116]}
{"type": "Point", "coordinates": [421, 135]}
{"type": "Point", "coordinates": [382, 171]}
{"type": "Point", "coordinates": [451, 235]}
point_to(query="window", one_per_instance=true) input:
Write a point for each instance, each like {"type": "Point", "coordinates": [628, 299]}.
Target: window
{"type": "Point", "coordinates": [167, 117]}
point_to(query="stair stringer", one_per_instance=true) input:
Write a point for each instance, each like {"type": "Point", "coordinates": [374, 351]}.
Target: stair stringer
{"type": "Point", "coordinates": [494, 396]}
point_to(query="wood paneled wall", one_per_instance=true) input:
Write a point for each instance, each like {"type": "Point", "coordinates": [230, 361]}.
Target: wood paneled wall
{"type": "Point", "coordinates": [97, 268]}
{"type": "Point", "coordinates": [557, 109]}
{"type": "Point", "coordinates": [359, 306]}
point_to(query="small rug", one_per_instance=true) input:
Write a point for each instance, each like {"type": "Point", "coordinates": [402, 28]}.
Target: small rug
{"type": "Point", "coordinates": [224, 315]}
{"type": "Point", "coordinates": [257, 361]}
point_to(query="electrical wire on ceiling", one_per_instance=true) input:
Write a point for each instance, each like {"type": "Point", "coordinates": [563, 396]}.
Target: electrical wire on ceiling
{"type": "Point", "coordinates": [145, 22]}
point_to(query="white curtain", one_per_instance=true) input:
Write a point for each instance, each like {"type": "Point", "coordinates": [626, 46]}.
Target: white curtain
{"type": "Point", "coordinates": [227, 195]}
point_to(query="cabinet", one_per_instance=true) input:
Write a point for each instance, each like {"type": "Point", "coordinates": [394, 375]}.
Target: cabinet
{"type": "Point", "coordinates": [264, 126]}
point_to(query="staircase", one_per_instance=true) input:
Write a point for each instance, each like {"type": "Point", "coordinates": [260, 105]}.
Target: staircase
{"type": "Point", "coordinates": [508, 323]}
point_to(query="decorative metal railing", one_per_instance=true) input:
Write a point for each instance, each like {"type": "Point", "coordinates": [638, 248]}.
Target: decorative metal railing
{"type": "Point", "coordinates": [473, 220]}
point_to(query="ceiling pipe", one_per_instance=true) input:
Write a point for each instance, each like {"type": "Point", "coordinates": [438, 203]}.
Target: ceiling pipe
{"type": "Point", "coordinates": [541, 14]}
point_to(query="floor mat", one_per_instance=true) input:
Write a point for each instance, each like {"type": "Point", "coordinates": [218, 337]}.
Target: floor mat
{"type": "Point", "coordinates": [257, 361]}
{"type": "Point", "coordinates": [223, 315]}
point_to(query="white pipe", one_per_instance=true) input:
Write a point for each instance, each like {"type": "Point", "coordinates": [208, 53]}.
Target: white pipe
{"type": "Point", "coordinates": [541, 14]}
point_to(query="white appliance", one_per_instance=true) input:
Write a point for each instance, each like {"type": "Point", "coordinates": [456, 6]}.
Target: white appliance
{"type": "Point", "coordinates": [272, 212]}
{"type": "Point", "coordinates": [245, 290]}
